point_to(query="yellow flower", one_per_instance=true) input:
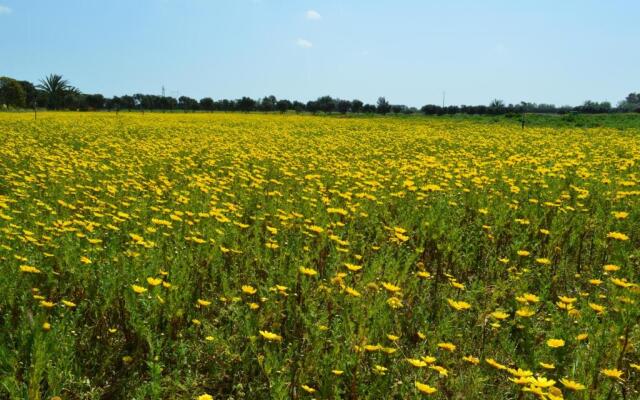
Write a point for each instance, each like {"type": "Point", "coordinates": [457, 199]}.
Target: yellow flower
{"type": "Point", "coordinates": [308, 389]}
{"type": "Point", "coordinates": [459, 305]}
{"type": "Point", "coordinates": [613, 373]}
{"type": "Point", "coordinates": [621, 283]}
{"type": "Point", "coordinates": [68, 303]}
{"type": "Point", "coordinates": [337, 372]}
{"type": "Point", "coordinates": [620, 214]}
{"type": "Point", "coordinates": [353, 267]}
{"type": "Point", "coordinates": [391, 287]}
{"type": "Point", "coordinates": [555, 343]}
{"type": "Point", "coordinates": [203, 303]}
{"type": "Point", "coordinates": [138, 289]}
{"type": "Point", "coordinates": [379, 369]}
{"type": "Point", "coordinates": [494, 363]}
{"type": "Point", "coordinates": [308, 271]}
{"type": "Point", "coordinates": [248, 289]}
{"type": "Point", "coordinates": [617, 236]}
{"type": "Point", "coordinates": [416, 363]}
{"type": "Point", "coordinates": [424, 388]}
{"type": "Point", "coordinates": [46, 327]}
{"type": "Point", "coordinates": [611, 268]}
{"type": "Point", "coordinates": [441, 370]}
{"type": "Point", "coordinates": [522, 373]}
{"type": "Point", "coordinates": [85, 260]}
{"type": "Point", "coordinates": [523, 253]}
{"type": "Point", "coordinates": [471, 359]}
{"type": "Point", "coordinates": [205, 397]}
{"type": "Point", "coordinates": [270, 336]}
{"type": "Point", "coordinates": [154, 281]}
{"type": "Point", "coordinates": [572, 385]}
{"type": "Point", "coordinates": [542, 382]}
{"type": "Point", "coordinates": [546, 366]}
{"type": "Point", "coordinates": [352, 292]}
{"type": "Point", "coordinates": [525, 312]}
{"type": "Point", "coordinates": [500, 315]}
{"type": "Point", "coordinates": [30, 269]}
{"type": "Point", "coordinates": [47, 304]}
{"type": "Point", "coordinates": [447, 346]}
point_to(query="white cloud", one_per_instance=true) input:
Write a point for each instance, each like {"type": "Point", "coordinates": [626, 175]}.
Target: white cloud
{"type": "Point", "coordinates": [305, 44]}
{"type": "Point", "coordinates": [313, 14]}
{"type": "Point", "coordinates": [4, 9]}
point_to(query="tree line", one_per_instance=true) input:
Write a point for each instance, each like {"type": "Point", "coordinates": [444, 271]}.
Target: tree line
{"type": "Point", "coordinates": [56, 93]}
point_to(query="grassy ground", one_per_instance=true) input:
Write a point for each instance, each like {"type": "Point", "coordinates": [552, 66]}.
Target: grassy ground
{"type": "Point", "coordinates": [165, 256]}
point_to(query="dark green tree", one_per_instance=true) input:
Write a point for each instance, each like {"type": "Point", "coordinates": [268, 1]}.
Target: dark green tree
{"type": "Point", "coordinates": [383, 106]}
{"type": "Point", "coordinates": [12, 93]}
{"type": "Point", "coordinates": [57, 89]}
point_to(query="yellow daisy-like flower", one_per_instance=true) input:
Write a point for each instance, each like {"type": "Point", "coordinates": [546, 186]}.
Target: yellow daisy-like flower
{"type": "Point", "coordinates": [308, 389]}
{"type": "Point", "coordinates": [29, 269]}
{"type": "Point", "coordinates": [248, 289]}
{"type": "Point", "coordinates": [424, 388]}
{"type": "Point", "coordinates": [154, 281]}
{"type": "Point", "coordinates": [471, 359]}
{"type": "Point", "coordinates": [308, 271]}
{"type": "Point", "coordinates": [572, 385]}
{"type": "Point", "coordinates": [555, 343]}
{"type": "Point", "coordinates": [617, 236]}
{"type": "Point", "coordinates": [459, 305]}
{"type": "Point", "coordinates": [270, 336]}
{"type": "Point", "coordinates": [138, 289]}
{"type": "Point", "coordinates": [613, 373]}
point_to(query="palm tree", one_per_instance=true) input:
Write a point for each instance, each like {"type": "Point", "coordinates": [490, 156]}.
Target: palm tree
{"type": "Point", "coordinates": [56, 89]}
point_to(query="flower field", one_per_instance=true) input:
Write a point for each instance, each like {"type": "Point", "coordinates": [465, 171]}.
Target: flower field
{"type": "Point", "coordinates": [230, 256]}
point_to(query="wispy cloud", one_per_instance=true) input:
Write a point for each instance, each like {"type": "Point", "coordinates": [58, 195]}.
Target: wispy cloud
{"type": "Point", "coordinates": [4, 9]}
{"type": "Point", "coordinates": [313, 14]}
{"type": "Point", "coordinates": [305, 44]}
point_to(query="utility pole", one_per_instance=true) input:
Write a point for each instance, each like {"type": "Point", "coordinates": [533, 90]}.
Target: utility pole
{"type": "Point", "coordinates": [443, 96]}
{"type": "Point", "coordinates": [162, 90]}
{"type": "Point", "coordinates": [35, 110]}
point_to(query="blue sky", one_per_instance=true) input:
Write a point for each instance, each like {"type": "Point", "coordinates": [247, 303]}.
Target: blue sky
{"type": "Point", "coordinates": [410, 51]}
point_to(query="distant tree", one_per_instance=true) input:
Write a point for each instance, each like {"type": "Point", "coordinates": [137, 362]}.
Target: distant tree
{"type": "Point", "coordinates": [368, 109]}
{"type": "Point", "coordinates": [128, 102]}
{"type": "Point", "coordinates": [299, 106]}
{"type": "Point", "coordinates": [496, 106]}
{"type": "Point", "coordinates": [343, 106]}
{"type": "Point", "coordinates": [207, 104]}
{"type": "Point", "coordinates": [633, 98]}
{"type": "Point", "coordinates": [268, 103]}
{"type": "Point", "coordinates": [186, 103]}
{"type": "Point", "coordinates": [326, 104]}
{"type": "Point", "coordinates": [230, 105]}
{"type": "Point", "coordinates": [398, 108]}
{"type": "Point", "coordinates": [356, 106]}
{"type": "Point", "coordinates": [593, 107]}
{"type": "Point", "coordinates": [429, 109]}
{"type": "Point", "coordinates": [284, 105]}
{"type": "Point", "coordinates": [95, 101]}
{"type": "Point", "coordinates": [246, 104]}
{"type": "Point", "coordinates": [30, 91]}
{"type": "Point", "coordinates": [12, 93]}
{"type": "Point", "coordinates": [312, 107]}
{"type": "Point", "coordinates": [383, 106]}
{"type": "Point", "coordinates": [56, 89]}
{"type": "Point", "coordinates": [630, 103]}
